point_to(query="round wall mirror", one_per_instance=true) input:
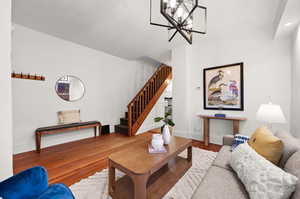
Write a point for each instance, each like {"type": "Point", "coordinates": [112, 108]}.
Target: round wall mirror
{"type": "Point", "coordinates": [69, 88]}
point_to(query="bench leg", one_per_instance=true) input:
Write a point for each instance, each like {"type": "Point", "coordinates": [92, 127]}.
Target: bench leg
{"type": "Point", "coordinates": [38, 142]}
{"type": "Point", "coordinates": [100, 130]}
{"type": "Point", "coordinates": [95, 131]}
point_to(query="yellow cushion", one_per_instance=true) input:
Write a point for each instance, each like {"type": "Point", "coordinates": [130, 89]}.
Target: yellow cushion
{"type": "Point", "coordinates": [266, 144]}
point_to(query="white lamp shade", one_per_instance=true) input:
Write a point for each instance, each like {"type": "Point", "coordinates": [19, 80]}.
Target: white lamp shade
{"type": "Point", "coordinates": [270, 113]}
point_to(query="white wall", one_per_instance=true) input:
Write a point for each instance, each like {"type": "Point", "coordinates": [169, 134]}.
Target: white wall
{"type": "Point", "coordinates": [5, 87]}
{"type": "Point", "coordinates": [180, 95]}
{"type": "Point", "coordinates": [267, 72]}
{"type": "Point", "coordinates": [295, 115]}
{"type": "Point", "coordinates": [110, 83]}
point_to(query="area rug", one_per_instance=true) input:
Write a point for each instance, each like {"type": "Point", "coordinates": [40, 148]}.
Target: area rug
{"type": "Point", "coordinates": [96, 186]}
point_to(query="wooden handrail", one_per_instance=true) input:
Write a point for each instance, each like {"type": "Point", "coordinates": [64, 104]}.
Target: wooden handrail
{"type": "Point", "coordinates": [141, 105]}
{"type": "Point", "coordinates": [151, 78]}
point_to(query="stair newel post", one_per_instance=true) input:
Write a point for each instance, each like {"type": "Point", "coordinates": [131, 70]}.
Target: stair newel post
{"type": "Point", "coordinates": [137, 107]}
{"type": "Point", "coordinates": [166, 73]}
{"type": "Point", "coordinates": [140, 105]}
{"type": "Point", "coordinates": [135, 110]}
{"type": "Point", "coordinates": [162, 74]}
{"type": "Point", "coordinates": [157, 82]}
{"type": "Point", "coordinates": [130, 107]}
{"type": "Point", "coordinates": [152, 88]}
{"type": "Point", "coordinates": [142, 102]}
{"type": "Point", "coordinates": [145, 99]}
{"type": "Point", "coordinates": [148, 91]}
{"type": "Point", "coordinates": [154, 85]}
{"type": "Point", "coordinates": [147, 94]}
{"type": "Point", "coordinates": [158, 77]}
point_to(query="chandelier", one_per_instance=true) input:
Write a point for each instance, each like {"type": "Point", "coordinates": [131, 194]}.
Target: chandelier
{"type": "Point", "coordinates": [181, 17]}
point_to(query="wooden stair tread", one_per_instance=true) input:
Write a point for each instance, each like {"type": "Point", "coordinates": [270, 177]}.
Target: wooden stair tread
{"type": "Point", "coordinates": [122, 126]}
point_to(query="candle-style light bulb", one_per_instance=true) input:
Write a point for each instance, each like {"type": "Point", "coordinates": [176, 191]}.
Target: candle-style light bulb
{"type": "Point", "coordinates": [180, 12]}
{"type": "Point", "coordinates": [185, 15]}
{"type": "Point", "coordinates": [165, 4]}
{"type": "Point", "coordinates": [172, 3]}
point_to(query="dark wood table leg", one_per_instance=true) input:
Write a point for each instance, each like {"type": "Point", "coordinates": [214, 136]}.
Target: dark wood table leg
{"type": "Point", "coordinates": [140, 186]}
{"type": "Point", "coordinates": [235, 127]}
{"type": "Point", "coordinates": [206, 131]}
{"type": "Point", "coordinates": [95, 131]}
{"type": "Point", "coordinates": [111, 178]}
{"type": "Point", "coordinates": [38, 141]}
{"type": "Point", "coordinates": [189, 154]}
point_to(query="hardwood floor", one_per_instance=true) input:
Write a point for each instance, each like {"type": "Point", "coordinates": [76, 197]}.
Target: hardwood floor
{"type": "Point", "coordinates": [70, 162]}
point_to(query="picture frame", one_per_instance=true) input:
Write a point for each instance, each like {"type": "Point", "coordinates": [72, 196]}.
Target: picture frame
{"type": "Point", "coordinates": [224, 87]}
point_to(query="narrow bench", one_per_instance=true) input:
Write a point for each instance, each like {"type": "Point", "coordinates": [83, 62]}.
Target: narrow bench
{"type": "Point", "coordinates": [63, 128]}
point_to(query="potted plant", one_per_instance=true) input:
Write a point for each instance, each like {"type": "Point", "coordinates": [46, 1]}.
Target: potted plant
{"type": "Point", "coordinates": [165, 128]}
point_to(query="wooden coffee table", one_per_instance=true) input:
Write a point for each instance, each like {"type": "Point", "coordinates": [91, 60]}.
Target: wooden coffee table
{"type": "Point", "coordinates": [148, 175]}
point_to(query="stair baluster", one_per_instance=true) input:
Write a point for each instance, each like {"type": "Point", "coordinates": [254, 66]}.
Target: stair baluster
{"type": "Point", "coordinates": [141, 105]}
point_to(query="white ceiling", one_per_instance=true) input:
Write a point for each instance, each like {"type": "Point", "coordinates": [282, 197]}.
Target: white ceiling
{"type": "Point", "coordinates": [121, 27]}
{"type": "Point", "coordinates": [289, 18]}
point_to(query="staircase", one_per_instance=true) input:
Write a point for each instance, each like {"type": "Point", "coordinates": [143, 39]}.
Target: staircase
{"type": "Point", "coordinates": [141, 105]}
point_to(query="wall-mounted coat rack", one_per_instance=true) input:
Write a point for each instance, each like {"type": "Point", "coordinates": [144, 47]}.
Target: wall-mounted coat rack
{"type": "Point", "coordinates": [27, 76]}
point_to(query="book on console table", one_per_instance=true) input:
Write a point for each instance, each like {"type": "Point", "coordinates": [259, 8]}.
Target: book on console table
{"type": "Point", "coordinates": [153, 150]}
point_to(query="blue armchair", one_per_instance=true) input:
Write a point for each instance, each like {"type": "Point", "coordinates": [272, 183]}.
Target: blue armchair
{"type": "Point", "coordinates": [33, 184]}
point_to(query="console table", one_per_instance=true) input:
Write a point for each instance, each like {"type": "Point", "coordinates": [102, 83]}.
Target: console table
{"type": "Point", "coordinates": [63, 128]}
{"type": "Point", "coordinates": [206, 118]}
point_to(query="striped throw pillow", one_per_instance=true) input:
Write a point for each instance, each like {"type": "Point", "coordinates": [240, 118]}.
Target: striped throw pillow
{"type": "Point", "coordinates": [239, 139]}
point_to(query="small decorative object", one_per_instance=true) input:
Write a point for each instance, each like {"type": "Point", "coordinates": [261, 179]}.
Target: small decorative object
{"type": "Point", "coordinates": [165, 128]}
{"type": "Point", "coordinates": [166, 135]}
{"type": "Point", "coordinates": [270, 114]}
{"type": "Point", "coordinates": [157, 144]}
{"type": "Point", "coordinates": [157, 141]}
{"type": "Point", "coordinates": [161, 150]}
{"type": "Point", "coordinates": [180, 16]}
{"type": "Point", "coordinates": [220, 114]}
{"type": "Point", "coordinates": [27, 76]}
{"type": "Point", "coordinates": [224, 86]}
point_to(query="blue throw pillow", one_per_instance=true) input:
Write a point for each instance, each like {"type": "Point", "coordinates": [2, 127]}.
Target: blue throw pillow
{"type": "Point", "coordinates": [239, 139]}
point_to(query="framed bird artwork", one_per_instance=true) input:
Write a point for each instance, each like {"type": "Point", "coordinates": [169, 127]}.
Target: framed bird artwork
{"type": "Point", "coordinates": [224, 87]}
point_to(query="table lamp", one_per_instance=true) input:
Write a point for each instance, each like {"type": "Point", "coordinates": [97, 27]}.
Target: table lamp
{"type": "Point", "coordinates": [270, 114]}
